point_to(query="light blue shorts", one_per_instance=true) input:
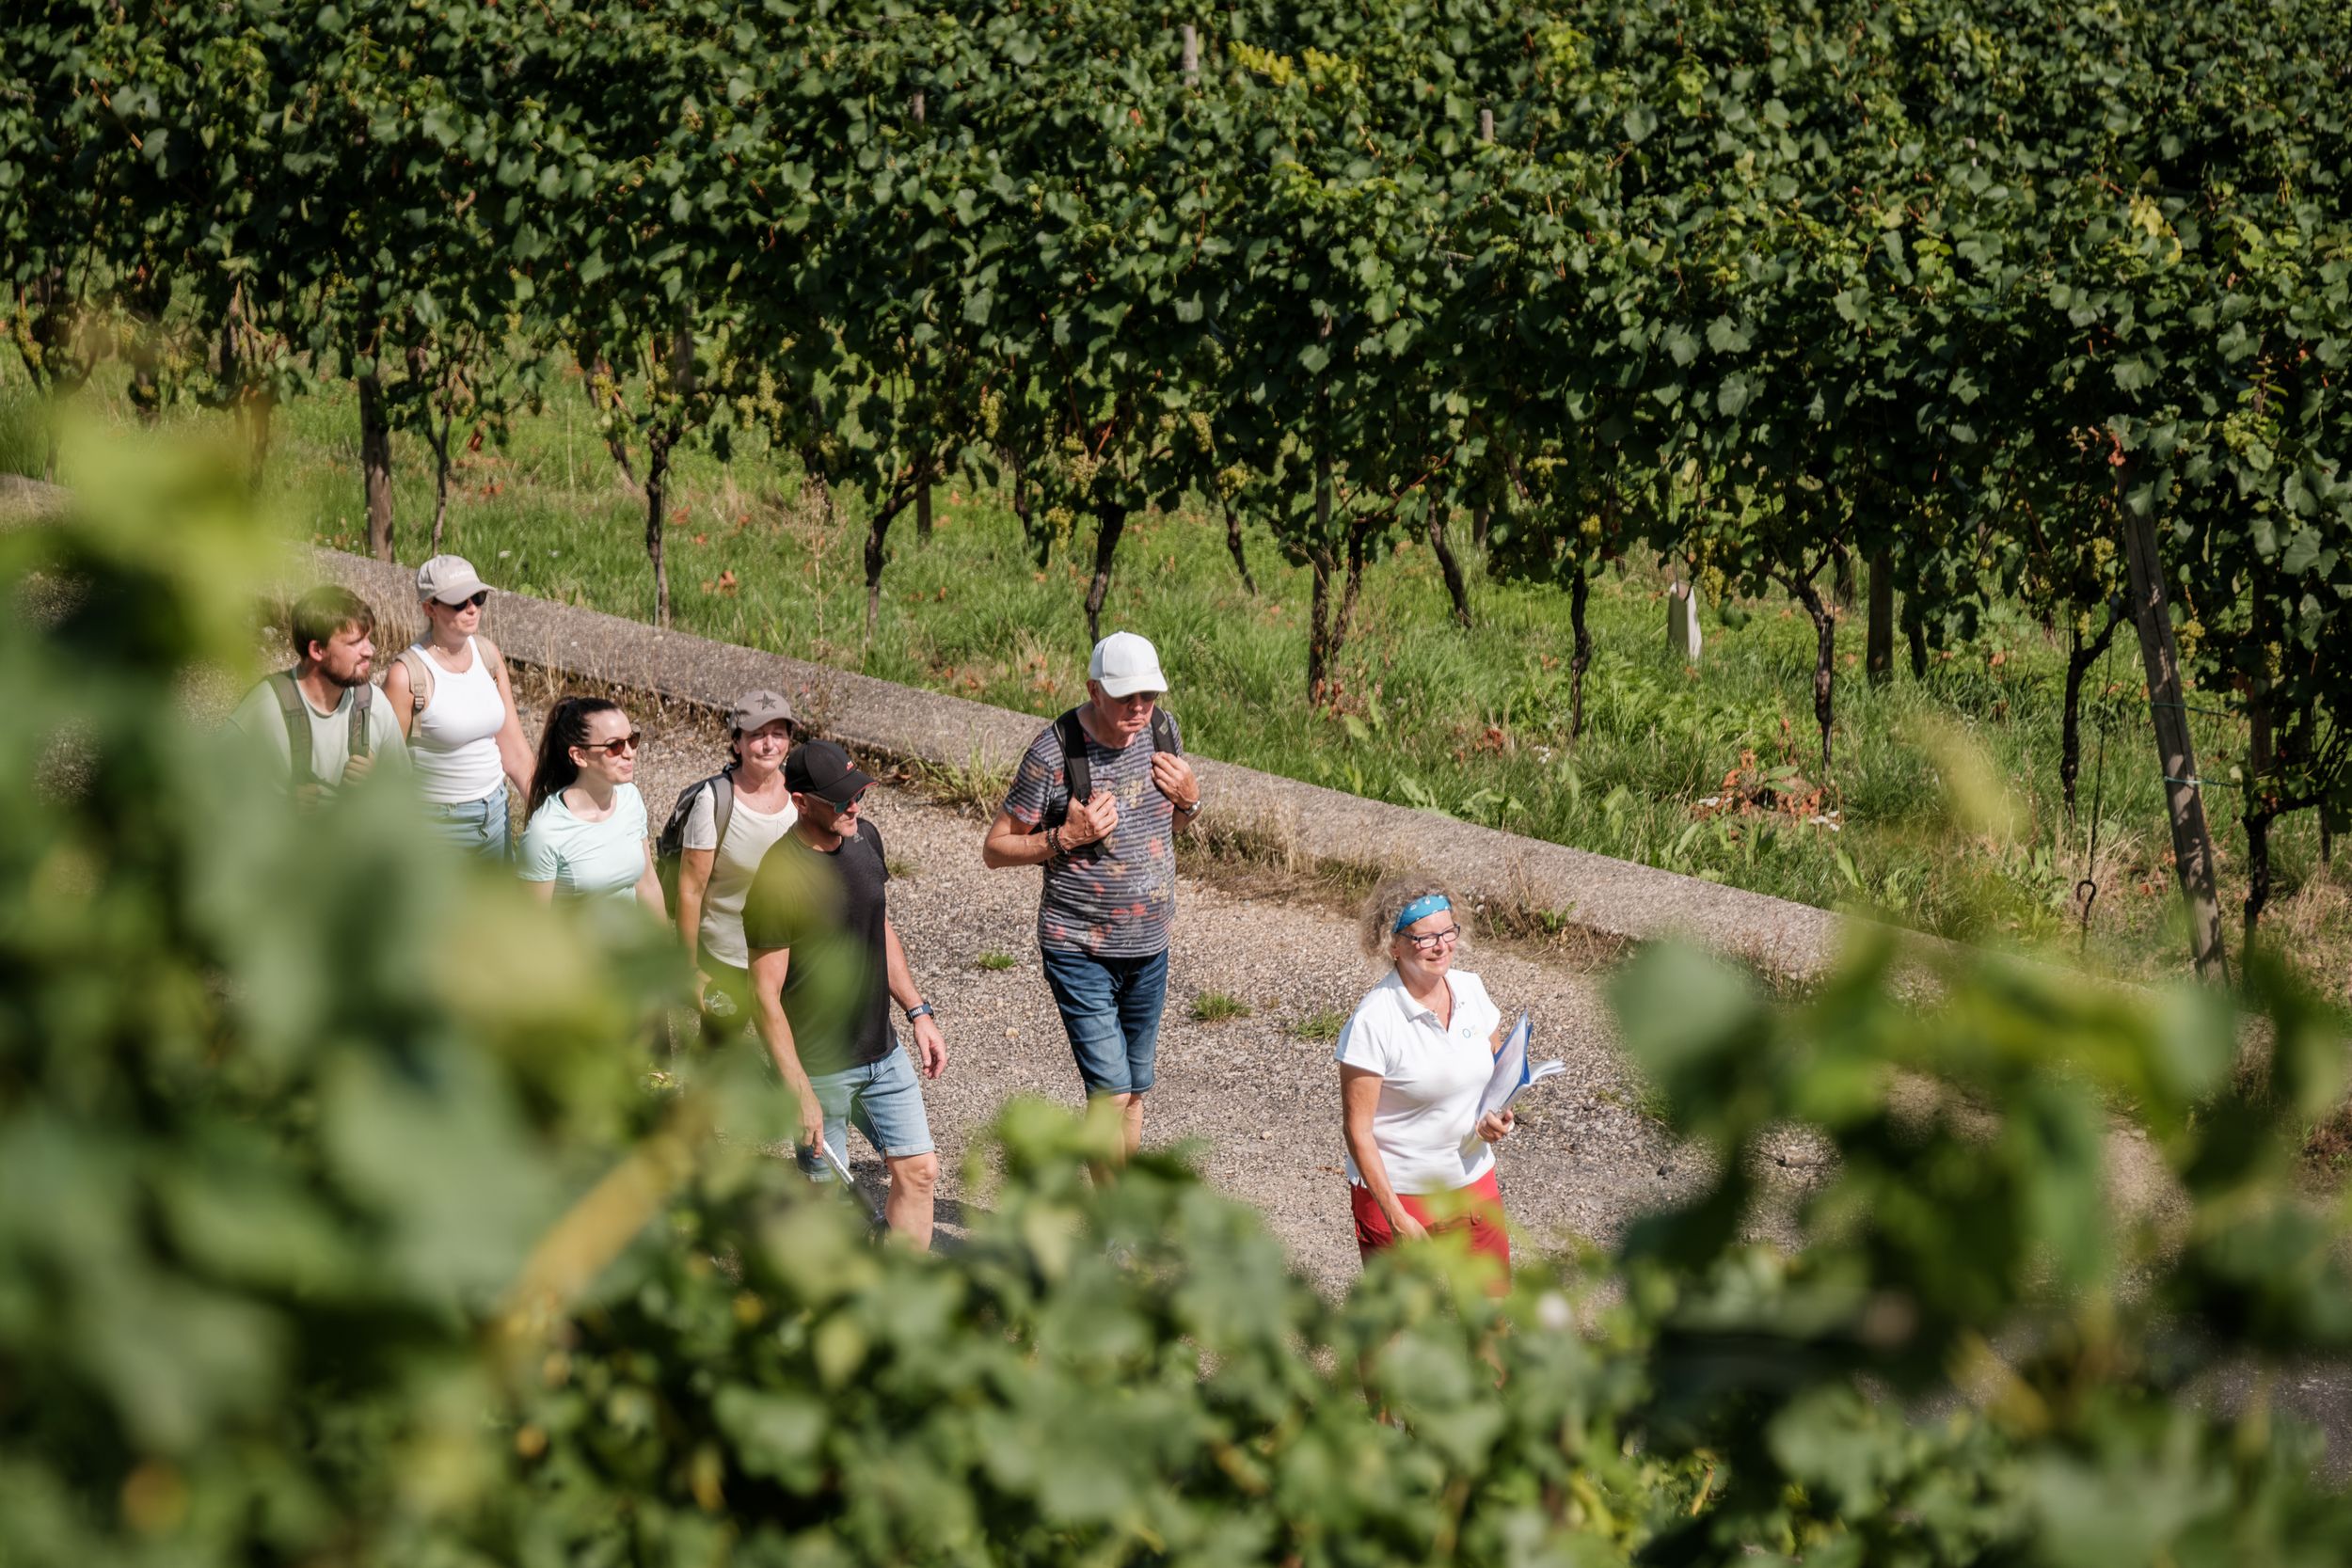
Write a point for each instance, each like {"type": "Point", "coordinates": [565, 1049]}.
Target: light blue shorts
{"type": "Point", "coordinates": [882, 1100]}
{"type": "Point", "coordinates": [478, 827]}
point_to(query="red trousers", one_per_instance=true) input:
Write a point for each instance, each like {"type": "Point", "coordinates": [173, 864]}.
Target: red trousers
{"type": "Point", "coordinates": [1476, 1210]}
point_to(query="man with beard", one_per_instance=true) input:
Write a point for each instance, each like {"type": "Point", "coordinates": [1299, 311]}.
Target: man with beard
{"type": "Point", "coordinates": [321, 721]}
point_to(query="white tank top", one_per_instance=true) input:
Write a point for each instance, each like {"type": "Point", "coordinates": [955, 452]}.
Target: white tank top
{"type": "Point", "coordinates": [453, 744]}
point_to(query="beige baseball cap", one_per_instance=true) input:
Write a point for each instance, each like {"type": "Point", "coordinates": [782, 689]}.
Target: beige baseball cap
{"type": "Point", "coordinates": [450, 579]}
{"type": "Point", "coordinates": [760, 706]}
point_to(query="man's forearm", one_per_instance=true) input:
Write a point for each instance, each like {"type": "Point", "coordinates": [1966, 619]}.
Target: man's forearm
{"type": "Point", "coordinates": [897, 973]}
{"type": "Point", "coordinates": [775, 1033]}
{"type": "Point", "coordinates": [1029, 848]}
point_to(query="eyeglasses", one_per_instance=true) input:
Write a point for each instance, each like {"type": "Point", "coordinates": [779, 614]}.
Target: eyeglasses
{"type": "Point", "coordinates": [1429, 942]}
{"type": "Point", "coordinates": [477, 601]}
{"type": "Point", "coordinates": [613, 748]}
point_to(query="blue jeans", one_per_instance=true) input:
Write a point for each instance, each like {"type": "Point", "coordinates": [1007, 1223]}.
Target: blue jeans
{"type": "Point", "coordinates": [882, 1100]}
{"type": "Point", "coordinates": [478, 827]}
{"type": "Point", "coordinates": [1111, 1010]}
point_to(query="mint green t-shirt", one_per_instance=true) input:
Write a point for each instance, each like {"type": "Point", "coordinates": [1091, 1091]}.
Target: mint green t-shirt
{"type": "Point", "coordinates": [587, 860]}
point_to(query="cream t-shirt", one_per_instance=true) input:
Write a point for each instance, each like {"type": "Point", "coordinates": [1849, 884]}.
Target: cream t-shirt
{"type": "Point", "coordinates": [751, 833]}
{"type": "Point", "coordinates": [260, 718]}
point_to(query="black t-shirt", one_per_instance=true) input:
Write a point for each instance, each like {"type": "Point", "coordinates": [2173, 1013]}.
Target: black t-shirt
{"type": "Point", "coordinates": [827, 908]}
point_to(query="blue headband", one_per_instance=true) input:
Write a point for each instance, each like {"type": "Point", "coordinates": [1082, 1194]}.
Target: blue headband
{"type": "Point", "coordinates": [1420, 909]}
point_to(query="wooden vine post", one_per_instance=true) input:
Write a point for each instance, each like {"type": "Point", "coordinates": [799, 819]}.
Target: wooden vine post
{"type": "Point", "coordinates": [2192, 839]}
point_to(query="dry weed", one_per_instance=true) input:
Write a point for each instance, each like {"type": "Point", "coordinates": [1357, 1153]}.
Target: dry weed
{"type": "Point", "coordinates": [2117, 866]}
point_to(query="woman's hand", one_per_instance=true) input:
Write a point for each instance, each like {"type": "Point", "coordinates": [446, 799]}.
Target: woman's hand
{"type": "Point", "coordinates": [1406, 1227]}
{"type": "Point", "coordinates": [1495, 1126]}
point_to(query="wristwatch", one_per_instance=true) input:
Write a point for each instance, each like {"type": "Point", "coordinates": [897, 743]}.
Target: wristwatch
{"type": "Point", "coordinates": [921, 1010]}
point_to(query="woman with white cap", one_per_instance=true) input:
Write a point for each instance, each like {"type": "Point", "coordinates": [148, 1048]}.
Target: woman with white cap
{"type": "Point", "coordinates": [725, 824]}
{"type": "Point", "coordinates": [455, 704]}
{"type": "Point", "coordinates": [1414, 1060]}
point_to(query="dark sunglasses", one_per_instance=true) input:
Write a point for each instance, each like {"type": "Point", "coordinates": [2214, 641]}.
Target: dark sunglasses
{"type": "Point", "coordinates": [632, 741]}
{"type": "Point", "coordinates": [478, 600]}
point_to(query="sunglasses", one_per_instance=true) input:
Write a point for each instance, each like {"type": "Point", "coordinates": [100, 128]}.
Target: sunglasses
{"type": "Point", "coordinates": [1431, 941]}
{"type": "Point", "coordinates": [632, 741]}
{"type": "Point", "coordinates": [477, 601]}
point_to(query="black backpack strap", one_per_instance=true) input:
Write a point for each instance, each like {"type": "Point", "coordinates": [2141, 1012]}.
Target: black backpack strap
{"type": "Point", "coordinates": [296, 714]}
{"type": "Point", "coordinates": [722, 786]}
{"type": "Point", "coordinates": [1163, 731]}
{"type": "Point", "coordinates": [721, 805]}
{"type": "Point", "coordinates": [362, 704]}
{"type": "Point", "coordinates": [1076, 771]}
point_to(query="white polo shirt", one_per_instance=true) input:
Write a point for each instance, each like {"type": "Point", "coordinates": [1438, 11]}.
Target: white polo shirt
{"type": "Point", "coordinates": [1430, 1078]}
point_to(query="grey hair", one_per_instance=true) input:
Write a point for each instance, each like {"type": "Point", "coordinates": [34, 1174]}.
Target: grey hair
{"type": "Point", "coordinates": [1388, 901]}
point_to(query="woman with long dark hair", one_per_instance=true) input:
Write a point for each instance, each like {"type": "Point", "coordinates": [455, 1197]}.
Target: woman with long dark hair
{"type": "Point", "coordinates": [586, 836]}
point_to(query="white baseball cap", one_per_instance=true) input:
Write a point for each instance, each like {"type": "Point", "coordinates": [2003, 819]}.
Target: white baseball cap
{"type": "Point", "coordinates": [1126, 664]}
{"type": "Point", "coordinates": [450, 579]}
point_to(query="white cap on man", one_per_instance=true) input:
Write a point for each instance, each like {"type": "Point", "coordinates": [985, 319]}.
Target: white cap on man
{"type": "Point", "coordinates": [1126, 664]}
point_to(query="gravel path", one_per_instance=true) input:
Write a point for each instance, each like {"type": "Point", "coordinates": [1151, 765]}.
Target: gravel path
{"type": "Point", "coordinates": [1258, 1102]}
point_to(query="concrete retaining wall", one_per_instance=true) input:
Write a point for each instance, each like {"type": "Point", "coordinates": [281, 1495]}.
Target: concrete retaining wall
{"type": "Point", "coordinates": [1611, 898]}
{"type": "Point", "coordinates": [1614, 899]}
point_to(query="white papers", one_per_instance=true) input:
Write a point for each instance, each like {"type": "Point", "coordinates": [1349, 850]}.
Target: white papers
{"type": "Point", "coordinates": [1514, 1071]}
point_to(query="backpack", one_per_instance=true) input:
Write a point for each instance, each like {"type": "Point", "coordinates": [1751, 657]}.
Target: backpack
{"type": "Point", "coordinates": [295, 710]}
{"type": "Point", "coordinates": [1078, 773]}
{"type": "Point", "coordinates": [419, 676]}
{"type": "Point", "coordinates": [670, 849]}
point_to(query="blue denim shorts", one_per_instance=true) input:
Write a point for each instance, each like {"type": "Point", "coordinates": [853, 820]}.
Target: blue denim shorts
{"type": "Point", "coordinates": [478, 827]}
{"type": "Point", "coordinates": [882, 1100]}
{"type": "Point", "coordinates": [1110, 1008]}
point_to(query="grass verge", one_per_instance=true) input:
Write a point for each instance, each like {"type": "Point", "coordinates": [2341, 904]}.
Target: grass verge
{"type": "Point", "coordinates": [1214, 1006]}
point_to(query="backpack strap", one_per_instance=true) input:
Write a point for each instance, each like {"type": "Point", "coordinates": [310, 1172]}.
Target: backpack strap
{"type": "Point", "coordinates": [1076, 771]}
{"type": "Point", "coordinates": [1163, 731]}
{"type": "Point", "coordinates": [722, 786]}
{"type": "Point", "coordinates": [419, 676]}
{"type": "Point", "coordinates": [296, 714]}
{"type": "Point", "coordinates": [362, 706]}
{"type": "Point", "coordinates": [721, 805]}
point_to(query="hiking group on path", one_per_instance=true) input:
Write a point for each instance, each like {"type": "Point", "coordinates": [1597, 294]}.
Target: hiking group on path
{"type": "Point", "coordinates": [778, 886]}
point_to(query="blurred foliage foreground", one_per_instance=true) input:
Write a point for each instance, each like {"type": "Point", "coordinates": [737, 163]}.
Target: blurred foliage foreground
{"type": "Point", "coordinates": [341, 1223]}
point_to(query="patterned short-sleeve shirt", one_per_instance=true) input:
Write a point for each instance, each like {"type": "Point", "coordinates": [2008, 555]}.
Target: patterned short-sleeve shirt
{"type": "Point", "coordinates": [1114, 899]}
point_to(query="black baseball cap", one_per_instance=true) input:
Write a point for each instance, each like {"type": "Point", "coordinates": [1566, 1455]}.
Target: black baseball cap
{"type": "Point", "coordinates": [821, 768]}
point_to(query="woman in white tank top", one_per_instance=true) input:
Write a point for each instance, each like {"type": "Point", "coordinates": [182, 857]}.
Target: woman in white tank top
{"type": "Point", "coordinates": [456, 707]}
